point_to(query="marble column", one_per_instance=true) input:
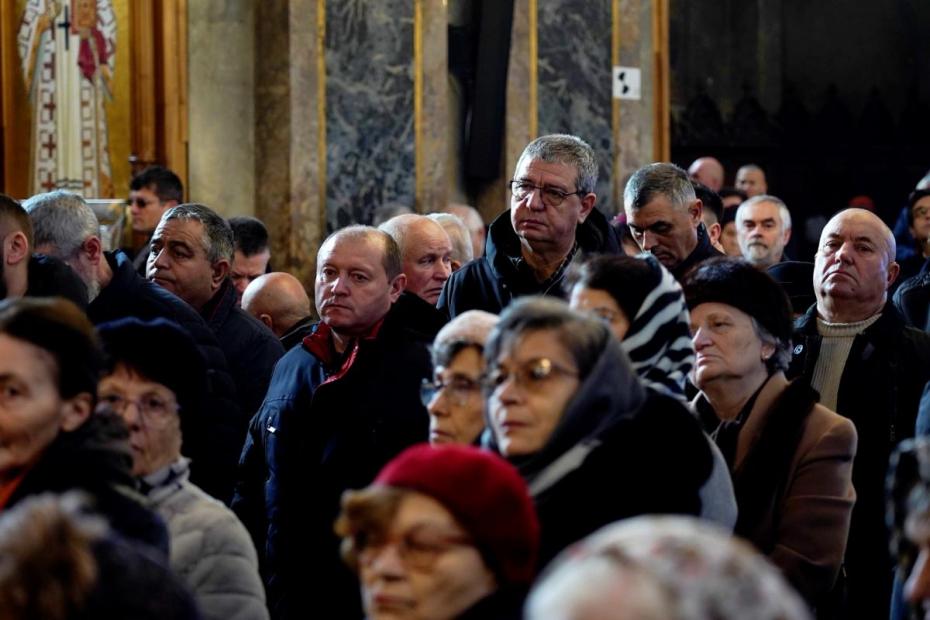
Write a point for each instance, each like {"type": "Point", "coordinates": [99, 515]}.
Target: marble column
{"type": "Point", "coordinates": [431, 105]}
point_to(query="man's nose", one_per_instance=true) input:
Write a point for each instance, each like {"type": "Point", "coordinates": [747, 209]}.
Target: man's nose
{"type": "Point", "coordinates": [161, 259]}
{"type": "Point", "coordinates": [649, 241]}
{"type": "Point", "coordinates": [340, 286]}
{"type": "Point", "coordinates": [443, 270]}
{"type": "Point", "coordinates": [700, 338]}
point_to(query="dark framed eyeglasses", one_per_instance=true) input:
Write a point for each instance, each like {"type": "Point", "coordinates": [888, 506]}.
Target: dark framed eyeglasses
{"type": "Point", "coordinates": [458, 390]}
{"type": "Point", "coordinates": [155, 409]}
{"type": "Point", "coordinates": [530, 375]}
{"type": "Point", "coordinates": [551, 196]}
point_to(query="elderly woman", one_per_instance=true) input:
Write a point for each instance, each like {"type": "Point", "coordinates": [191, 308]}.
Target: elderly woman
{"type": "Point", "coordinates": [791, 459]}
{"type": "Point", "coordinates": [443, 533]}
{"type": "Point", "coordinates": [593, 444]}
{"type": "Point", "coordinates": [644, 307]}
{"type": "Point", "coordinates": [155, 381]}
{"type": "Point", "coordinates": [453, 397]}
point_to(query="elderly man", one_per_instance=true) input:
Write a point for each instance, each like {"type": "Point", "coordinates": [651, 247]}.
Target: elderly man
{"type": "Point", "coordinates": [66, 227]}
{"type": "Point", "coordinates": [250, 252]}
{"type": "Point", "coordinates": [856, 351]}
{"type": "Point", "coordinates": [664, 216]}
{"type": "Point", "coordinates": [339, 407]}
{"type": "Point", "coordinates": [708, 171]}
{"type": "Point", "coordinates": [151, 192]}
{"type": "Point", "coordinates": [426, 253]}
{"type": "Point", "coordinates": [280, 301]}
{"type": "Point", "coordinates": [751, 179]}
{"type": "Point", "coordinates": [763, 228]}
{"type": "Point", "coordinates": [459, 236]}
{"type": "Point", "coordinates": [192, 248]}
{"type": "Point", "coordinates": [552, 220]}
{"type": "Point", "coordinates": [475, 224]}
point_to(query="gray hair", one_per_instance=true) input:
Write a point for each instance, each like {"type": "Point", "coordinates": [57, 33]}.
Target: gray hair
{"type": "Point", "coordinates": [783, 212]}
{"type": "Point", "coordinates": [458, 233]}
{"type": "Point", "coordinates": [61, 221]}
{"type": "Point", "coordinates": [782, 355]}
{"type": "Point", "coordinates": [391, 261]}
{"type": "Point", "coordinates": [583, 337]}
{"type": "Point", "coordinates": [660, 178]}
{"type": "Point", "coordinates": [217, 235]}
{"type": "Point", "coordinates": [569, 150]}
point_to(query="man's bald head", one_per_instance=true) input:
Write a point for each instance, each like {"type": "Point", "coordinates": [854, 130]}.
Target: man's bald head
{"type": "Point", "coordinates": [278, 300]}
{"type": "Point", "coordinates": [707, 170]}
{"type": "Point", "coordinates": [854, 266]}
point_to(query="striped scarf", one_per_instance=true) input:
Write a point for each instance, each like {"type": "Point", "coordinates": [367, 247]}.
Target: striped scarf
{"type": "Point", "coordinates": [659, 339]}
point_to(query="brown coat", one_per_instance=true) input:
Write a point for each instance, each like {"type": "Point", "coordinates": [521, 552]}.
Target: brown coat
{"type": "Point", "coordinates": [805, 528]}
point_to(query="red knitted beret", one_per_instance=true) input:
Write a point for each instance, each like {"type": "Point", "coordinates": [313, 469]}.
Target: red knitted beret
{"type": "Point", "coordinates": [486, 495]}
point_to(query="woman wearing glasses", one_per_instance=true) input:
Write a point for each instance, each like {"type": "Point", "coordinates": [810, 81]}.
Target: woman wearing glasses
{"type": "Point", "coordinates": [443, 533]}
{"type": "Point", "coordinates": [155, 381]}
{"type": "Point", "coordinates": [453, 398]}
{"type": "Point", "coordinates": [595, 446]}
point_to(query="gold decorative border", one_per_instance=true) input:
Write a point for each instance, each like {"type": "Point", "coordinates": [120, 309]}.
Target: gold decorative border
{"type": "Point", "coordinates": [534, 69]}
{"type": "Point", "coordinates": [661, 145]}
{"type": "Point", "coordinates": [321, 111]}
{"type": "Point", "coordinates": [418, 104]}
{"type": "Point", "coordinates": [615, 188]}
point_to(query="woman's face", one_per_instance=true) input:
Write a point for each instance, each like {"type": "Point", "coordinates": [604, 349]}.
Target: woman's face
{"type": "Point", "coordinates": [426, 568]}
{"type": "Point", "coordinates": [601, 304]}
{"type": "Point", "coordinates": [456, 411]}
{"type": "Point", "coordinates": [726, 345]}
{"type": "Point", "coordinates": [150, 411]}
{"type": "Point", "coordinates": [532, 382]}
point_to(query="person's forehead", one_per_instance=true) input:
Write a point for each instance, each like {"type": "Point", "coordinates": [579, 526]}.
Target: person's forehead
{"type": "Point", "coordinates": [430, 238]}
{"type": "Point", "coordinates": [180, 229]}
{"type": "Point", "coordinates": [25, 361]}
{"type": "Point", "coordinates": [546, 172]}
{"type": "Point", "coordinates": [659, 207]}
{"type": "Point", "coordinates": [855, 226]}
{"type": "Point", "coordinates": [351, 253]}
{"type": "Point", "coordinates": [761, 211]}
{"type": "Point", "coordinates": [923, 202]}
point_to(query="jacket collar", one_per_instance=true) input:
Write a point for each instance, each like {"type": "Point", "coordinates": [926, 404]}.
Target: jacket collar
{"type": "Point", "coordinates": [220, 306]}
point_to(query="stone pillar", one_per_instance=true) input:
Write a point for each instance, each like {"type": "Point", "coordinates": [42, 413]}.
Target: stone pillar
{"type": "Point", "coordinates": [221, 45]}
{"type": "Point", "coordinates": [431, 104]}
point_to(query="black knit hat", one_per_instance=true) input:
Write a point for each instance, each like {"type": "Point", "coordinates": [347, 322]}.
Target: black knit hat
{"type": "Point", "coordinates": [737, 283]}
{"type": "Point", "coordinates": [162, 351]}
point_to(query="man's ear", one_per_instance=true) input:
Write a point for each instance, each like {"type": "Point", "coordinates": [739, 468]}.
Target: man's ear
{"type": "Point", "coordinates": [266, 319]}
{"type": "Point", "coordinates": [893, 270]}
{"type": "Point", "coordinates": [398, 285]}
{"type": "Point", "coordinates": [587, 203]}
{"type": "Point", "coordinates": [220, 271]}
{"type": "Point", "coordinates": [17, 248]}
{"type": "Point", "coordinates": [75, 411]}
{"type": "Point", "coordinates": [695, 211]}
{"type": "Point", "coordinates": [94, 249]}
{"type": "Point", "coordinates": [787, 235]}
{"type": "Point", "coordinates": [714, 231]}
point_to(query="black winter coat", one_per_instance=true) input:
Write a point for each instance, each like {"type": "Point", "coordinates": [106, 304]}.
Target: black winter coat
{"type": "Point", "coordinates": [328, 424]}
{"type": "Point", "coordinates": [491, 282]}
{"type": "Point", "coordinates": [880, 391]}
{"type": "Point", "coordinates": [128, 294]}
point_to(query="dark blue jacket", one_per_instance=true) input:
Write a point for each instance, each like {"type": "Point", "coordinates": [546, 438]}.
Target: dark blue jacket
{"type": "Point", "coordinates": [328, 424]}
{"type": "Point", "coordinates": [491, 282]}
{"type": "Point", "coordinates": [128, 294]}
{"type": "Point", "coordinates": [251, 348]}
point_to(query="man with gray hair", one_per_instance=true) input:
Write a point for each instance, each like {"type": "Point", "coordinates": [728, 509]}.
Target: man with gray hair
{"type": "Point", "coordinates": [475, 225]}
{"type": "Point", "coordinates": [192, 250]}
{"type": "Point", "coordinates": [664, 216]}
{"type": "Point", "coordinates": [854, 348]}
{"type": "Point", "coordinates": [66, 228]}
{"type": "Point", "coordinates": [551, 220]}
{"type": "Point", "coordinates": [459, 235]}
{"type": "Point", "coordinates": [763, 228]}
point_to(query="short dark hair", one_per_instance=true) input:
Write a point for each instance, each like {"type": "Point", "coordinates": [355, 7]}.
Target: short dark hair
{"type": "Point", "coordinates": [59, 327]}
{"type": "Point", "coordinates": [250, 236]}
{"type": "Point", "coordinates": [662, 179]}
{"type": "Point", "coordinates": [627, 279]}
{"type": "Point", "coordinates": [217, 235]}
{"type": "Point", "coordinates": [165, 183]}
{"type": "Point", "coordinates": [13, 218]}
{"type": "Point", "coordinates": [912, 199]}
{"type": "Point", "coordinates": [709, 198]}
{"type": "Point", "coordinates": [726, 192]}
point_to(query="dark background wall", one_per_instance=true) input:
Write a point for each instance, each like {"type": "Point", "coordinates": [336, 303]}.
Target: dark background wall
{"type": "Point", "coordinates": [831, 97]}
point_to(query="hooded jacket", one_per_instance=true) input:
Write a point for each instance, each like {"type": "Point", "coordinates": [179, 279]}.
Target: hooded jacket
{"type": "Point", "coordinates": [491, 282]}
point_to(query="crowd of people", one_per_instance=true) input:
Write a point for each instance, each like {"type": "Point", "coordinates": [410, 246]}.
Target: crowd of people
{"type": "Point", "coordinates": [659, 416]}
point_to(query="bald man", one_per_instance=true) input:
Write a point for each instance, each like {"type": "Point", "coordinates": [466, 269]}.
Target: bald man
{"type": "Point", "coordinates": [855, 349]}
{"type": "Point", "coordinates": [751, 179]}
{"type": "Point", "coordinates": [280, 301]}
{"type": "Point", "coordinates": [426, 253]}
{"type": "Point", "coordinates": [707, 170]}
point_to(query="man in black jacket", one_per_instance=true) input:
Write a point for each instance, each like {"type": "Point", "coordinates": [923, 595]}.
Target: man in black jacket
{"type": "Point", "coordinates": [551, 221]}
{"type": "Point", "coordinates": [192, 249]}
{"type": "Point", "coordinates": [664, 216]}
{"type": "Point", "coordinates": [66, 227]}
{"type": "Point", "coordinates": [856, 351]}
{"type": "Point", "coordinates": [340, 406]}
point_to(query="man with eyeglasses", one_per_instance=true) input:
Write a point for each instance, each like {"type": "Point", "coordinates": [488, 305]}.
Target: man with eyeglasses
{"type": "Point", "coordinates": [551, 221]}
{"type": "Point", "coordinates": [664, 216]}
{"type": "Point", "coordinates": [151, 192]}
